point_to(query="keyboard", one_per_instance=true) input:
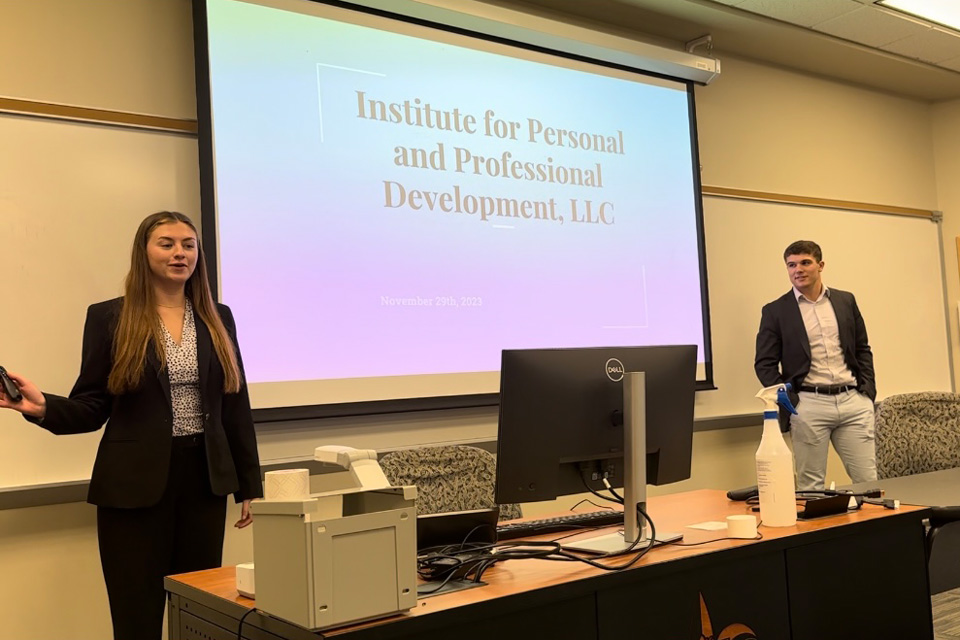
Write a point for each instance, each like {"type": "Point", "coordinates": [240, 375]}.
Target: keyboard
{"type": "Point", "coordinates": [568, 522]}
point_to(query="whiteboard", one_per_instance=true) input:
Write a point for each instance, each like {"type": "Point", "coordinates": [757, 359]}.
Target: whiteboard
{"type": "Point", "coordinates": [71, 197]}
{"type": "Point", "coordinates": [892, 264]}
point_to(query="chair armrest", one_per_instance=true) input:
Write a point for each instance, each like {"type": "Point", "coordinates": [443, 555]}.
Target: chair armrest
{"type": "Point", "coordinates": [940, 516]}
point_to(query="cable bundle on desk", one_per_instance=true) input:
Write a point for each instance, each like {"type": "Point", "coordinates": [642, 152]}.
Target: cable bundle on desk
{"type": "Point", "coordinates": [470, 560]}
{"type": "Point", "coordinates": [441, 565]}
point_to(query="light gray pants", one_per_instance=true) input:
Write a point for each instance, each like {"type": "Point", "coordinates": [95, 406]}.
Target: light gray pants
{"type": "Point", "coordinates": [846, 419]}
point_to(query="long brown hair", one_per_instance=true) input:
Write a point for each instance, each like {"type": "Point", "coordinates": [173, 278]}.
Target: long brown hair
{"type": "Point", "coordinates": [139, 325]}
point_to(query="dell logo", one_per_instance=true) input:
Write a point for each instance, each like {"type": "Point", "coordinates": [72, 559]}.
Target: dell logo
{"type": "Point", "coordinates": [614, 369]}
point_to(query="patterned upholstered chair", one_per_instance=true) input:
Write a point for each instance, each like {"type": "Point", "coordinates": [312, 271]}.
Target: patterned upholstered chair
{"type": "Point", "coordinates": [448, 478]}
{"type": "Point", "coordinates": [917, 433]}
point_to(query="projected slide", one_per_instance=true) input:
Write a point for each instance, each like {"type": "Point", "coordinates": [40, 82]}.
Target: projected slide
{"type": "Point", "coordinates": [397, 205]}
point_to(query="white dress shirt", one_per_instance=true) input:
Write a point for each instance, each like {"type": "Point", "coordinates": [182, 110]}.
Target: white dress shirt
{"type": "Point", "coordinates": [827, 366]}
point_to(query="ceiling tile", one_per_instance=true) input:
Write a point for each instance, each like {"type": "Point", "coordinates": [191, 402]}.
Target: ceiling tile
{"type": "Point", "coordinates": [871, 27]}
{"type": "Point", "coordinates": [933, 45]}
{"type": "Point", "coordinates": [801, 12]}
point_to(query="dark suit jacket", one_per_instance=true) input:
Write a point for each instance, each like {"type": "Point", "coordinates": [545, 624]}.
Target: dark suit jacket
{"type": "Point", "coordinates": [783, 349]}
{"type": "Point", "coordinates": [133, 460]}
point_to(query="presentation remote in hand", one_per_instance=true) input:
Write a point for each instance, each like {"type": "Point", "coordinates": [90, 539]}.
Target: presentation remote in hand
{"type": "Point", "coordinates": [10, 387]}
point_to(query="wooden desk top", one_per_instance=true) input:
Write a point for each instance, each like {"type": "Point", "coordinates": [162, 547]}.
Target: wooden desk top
{"type": "Point", "coordinates": [673, 512]}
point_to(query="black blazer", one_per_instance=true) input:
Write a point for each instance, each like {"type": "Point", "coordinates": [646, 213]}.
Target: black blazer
{"type": "Point", "coordinates": [133, 460]}
{"type": "Point", "coordinates": [783, 349]}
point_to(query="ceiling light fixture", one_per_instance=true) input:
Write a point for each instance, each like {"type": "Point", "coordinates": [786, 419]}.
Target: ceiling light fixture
{"type": "Point", "coordinates": [943, 12]}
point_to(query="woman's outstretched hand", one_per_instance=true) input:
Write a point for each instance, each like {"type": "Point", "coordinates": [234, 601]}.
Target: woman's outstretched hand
{"type": "Point", "coordinates": [32, 404]}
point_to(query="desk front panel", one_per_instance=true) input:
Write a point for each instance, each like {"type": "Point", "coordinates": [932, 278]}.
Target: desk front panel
{"type": "Point", "coordinates": [559, 619]}
{"type": "Point", "coordinates": [743, 596]}
{"type": "Point", "coordinates": [861, 586]}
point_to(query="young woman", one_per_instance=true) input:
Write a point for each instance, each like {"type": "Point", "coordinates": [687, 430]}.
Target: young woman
{"type": "Point", "coordinates": [160, 366]}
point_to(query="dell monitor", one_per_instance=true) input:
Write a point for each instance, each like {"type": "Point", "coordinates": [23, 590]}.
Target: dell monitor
{"type": "Point", "coordinates": [562, 415]}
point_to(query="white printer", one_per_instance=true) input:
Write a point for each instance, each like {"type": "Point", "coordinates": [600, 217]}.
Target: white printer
{"type": "Point", "coordinates": [337, 557]}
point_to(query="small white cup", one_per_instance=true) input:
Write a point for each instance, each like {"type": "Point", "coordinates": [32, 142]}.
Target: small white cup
{"type": "Point", "coordinates": [742, 526]}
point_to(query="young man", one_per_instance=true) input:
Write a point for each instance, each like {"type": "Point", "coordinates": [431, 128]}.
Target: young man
{"type": "Point", "coordinates": [815, 338]}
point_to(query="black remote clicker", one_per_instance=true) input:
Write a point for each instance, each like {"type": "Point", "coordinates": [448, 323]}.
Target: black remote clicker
{"type": "Point", "coordinates": [10, 387]}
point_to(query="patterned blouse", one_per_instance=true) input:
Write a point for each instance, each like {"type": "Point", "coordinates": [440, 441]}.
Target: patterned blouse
{"type": "Point", "coordinates": [184, 377]}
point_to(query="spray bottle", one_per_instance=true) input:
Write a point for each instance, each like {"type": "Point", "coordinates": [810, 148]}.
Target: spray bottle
{"type": "Point", "coordinates": [778, 502]}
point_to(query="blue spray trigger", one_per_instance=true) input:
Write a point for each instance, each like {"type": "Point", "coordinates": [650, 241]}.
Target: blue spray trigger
{"type": "Point", "coordinates": [784, 400]}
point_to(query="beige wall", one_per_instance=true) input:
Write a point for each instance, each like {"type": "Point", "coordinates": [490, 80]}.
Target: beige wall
{"type": "Point", "coordinates": [124, 56]}
{"type": "Point", "coordinates": [768, 129]}
{"type": "Point", "coordinates": [946, 144]}
{"type": "Point", "coordinates": [761, 128]}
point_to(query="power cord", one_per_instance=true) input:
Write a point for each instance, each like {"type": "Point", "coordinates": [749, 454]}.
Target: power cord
{"type": "Point", "coordinates": [616, 498]}
{"type": "Point", "coordinates": [612, 491]}
{"type": "Point", "coordinates": [240, 625]}
{"type": "Point", "coordinates": [243, 619]}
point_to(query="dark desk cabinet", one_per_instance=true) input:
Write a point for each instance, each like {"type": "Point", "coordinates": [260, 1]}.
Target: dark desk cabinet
{"type": "Point", "coordinates": [866, 581]}
{"type": "Point", "coordinates": [853, 577]}
{"type": "Point", "coordinates": [869, 584]}
{"type": "Point", "coordinates": [723, 595]}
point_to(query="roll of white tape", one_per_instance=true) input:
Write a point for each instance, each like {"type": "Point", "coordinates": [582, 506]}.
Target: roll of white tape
{"type": "Point", "coordinates": [742, 526]}
{"type": "Point", "coordinates": [287, 484]}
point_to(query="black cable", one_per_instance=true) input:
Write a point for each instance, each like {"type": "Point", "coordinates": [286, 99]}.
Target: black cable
{"type": "Point", "coordinates": [464, 545]}
{"type": "Point", "coordinates": [583, 479]}
{"type": "Point", "coordinates": [550, 550]}
{"type": "Point", "coordinates": [613, 492]}
{"type": "Point", "coordinates": [886, 503]}
{"type": "Point", "coordinates": [447, 561]}
{"type": "Point", "coordinates": [240, 625]}
{"type": "Point", "coordinates": [477, 528]}
{"type": "Point", "coordinates": [759, 536]}
{"type": "Point", "coordinates": [869, 493]}
{"type": "Point", "coordinates": [620, 567]}
{"type": "Point", "coordinates": [598, 506]}
{"type": "Point", "coordinates": [443, 583]}
{"type": "Point", "coordinates": [452, 549]}
{"type": "Point", "coordinates": [520, 550]}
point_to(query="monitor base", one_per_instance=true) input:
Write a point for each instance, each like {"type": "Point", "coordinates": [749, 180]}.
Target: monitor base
{"type": "Point", "coordinates": [614, 543]}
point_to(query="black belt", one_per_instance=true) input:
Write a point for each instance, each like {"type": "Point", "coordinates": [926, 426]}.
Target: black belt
{"type": "Point", "coordinates": [828, 389]}
{"type": "Point", "coordinates": [188, 441]}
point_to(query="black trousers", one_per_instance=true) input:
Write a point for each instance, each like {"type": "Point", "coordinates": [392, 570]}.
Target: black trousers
{"type": "Point", "coordinates": [138, 547]}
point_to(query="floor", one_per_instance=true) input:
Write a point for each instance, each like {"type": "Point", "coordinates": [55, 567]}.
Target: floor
{"type": "Point", "coordinates": [946, 615]}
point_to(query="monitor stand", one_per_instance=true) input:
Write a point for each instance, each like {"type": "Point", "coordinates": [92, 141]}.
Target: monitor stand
{"type": "Point", "coordinates": [634, 536]}
{"type": "Point", "coordinates": [615, 543]}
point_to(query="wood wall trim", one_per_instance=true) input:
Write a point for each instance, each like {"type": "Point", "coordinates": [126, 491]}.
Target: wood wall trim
{"type": "Point", "coordinates": [54, 111]}
{"type": "Point", "coordinates": [826, 203]}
